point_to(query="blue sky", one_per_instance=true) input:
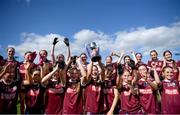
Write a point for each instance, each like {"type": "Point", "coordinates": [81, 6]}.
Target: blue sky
{"type": "Point", "coordinates": [139, 25]}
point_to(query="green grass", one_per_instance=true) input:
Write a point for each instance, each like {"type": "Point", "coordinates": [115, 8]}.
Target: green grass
{"type": "Point", "coordinates": [18, 107]}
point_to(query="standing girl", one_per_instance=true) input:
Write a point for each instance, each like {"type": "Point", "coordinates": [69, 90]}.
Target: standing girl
{"type": "Point", "coordinates": [128, 93]}
{"type": "Point", "coordinates": [34, 95]}
{"type": "Point", "coordinates": [170, 91]}
{"type": "Point", "coordinates": [73, 100]}
{"type": "Point", "coordinates": [147, 90]}
{"type": "Point", "coordinates": [94, 90]}
{"type": "Point", "coordinates": [54, 90]}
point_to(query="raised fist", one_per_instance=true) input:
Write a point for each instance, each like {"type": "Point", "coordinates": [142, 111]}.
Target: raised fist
{"type": "Point", "coordinates": [55, 41]}
{"type": "Point", "coordinates": [66, 41]}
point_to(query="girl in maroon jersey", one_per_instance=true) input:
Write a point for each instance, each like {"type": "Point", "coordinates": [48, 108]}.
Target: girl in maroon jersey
{"type": "Point", "coordinates": [168, 61]}
{"type": "Point", "coordinates": [83, 57]}
{"type": "Point", "coordinates": [129, 64]}
{"type": "Point", "coordinates": [128, 93]}
{"type": "Point", "coordinates": [117, 64]}
{"type": "Point", "coordinates": [9, 89]}
{"type": "Point", "coordinates": [175, 70]}
{"type": "Point", "coordinates": [12, 61]}
{"type": "Point", "coordinates": [155, 61]}
{"type": "Point", "coordinates": [170, 91]}
{"type": "Point", "coordinates": [84, 63]}
{"type": "Point", "coordinates": [55, 89]}
{"type": "Point", "coordinates": [114, 65]}
{"type": "Point", "coordinates": [94, 92]}
{"type": "Point", "coordinates": [147, 89]}
{"type": "Point", "coordinates": [34, 95]}
{"type": "Point", "coordinates": [44, 62]}
{"type": "Point", "coordinates": [137, 58]}
{"type": "Point", "coordinates": [73, 100]}
{"type": "Point", "coordinates": [108, 90]}
{"type": "Point", "coordinates": [27, 60]}
{"type": "Point", "coordinates": [59, 56]}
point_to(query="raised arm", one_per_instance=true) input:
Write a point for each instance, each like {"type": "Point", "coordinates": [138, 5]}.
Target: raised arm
{"type": "Point", "coordinates": [115, 100]}
{"type": "Point", "coordinates": [52, 55]}
{"type": "Point", "coordinates": [136, 77]}
{"type": "Point", "coordinates": [83, 71]}
{"type": "Point", "coordinates": [134, 89]}
{"type": "Point", "coordinates": [102, 74]}
{"type": "Point", "coordinates": [134, 57]}
{"type": "Point", "coordinates": [49, 75]}
{"type": "Point", "coordinates": [89, 70]}
{"type": "Point", "coordinates": [120, 58]}
{"type": "Point", "coordinates": [152, 84]}
{"type": "Point", "coordinates": [28, 77]}
{"type": "Point", "coordinates": [41, 72]}
{"type": "Point", "coordinates": [156, 76]}
{"type": "Point", "coordinates": [114, 54]}
{"type": "Point", "coordinates": [52, 51]}
{"type": "Point", "coordinates": [68, 52]}
{"type": "Point", "coordinates": [63, 76]}
{"type": "Point", "coordinates": [66, 41]}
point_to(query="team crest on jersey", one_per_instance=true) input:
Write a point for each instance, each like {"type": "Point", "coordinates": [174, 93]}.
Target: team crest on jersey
{"type": "Point", "coordinates": [94, 88]}
{"type": "Point", "coordinates": [34, 92]}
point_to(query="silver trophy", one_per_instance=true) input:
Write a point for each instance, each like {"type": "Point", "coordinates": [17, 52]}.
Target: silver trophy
{"type": "Point", "coordinates": [93, 51]}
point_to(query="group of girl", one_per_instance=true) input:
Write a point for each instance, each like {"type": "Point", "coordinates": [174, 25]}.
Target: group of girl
{"type": "Point", "coordinates": [74, 86]}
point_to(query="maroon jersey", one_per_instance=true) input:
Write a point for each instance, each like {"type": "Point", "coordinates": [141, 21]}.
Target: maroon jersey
{"type": "Point", "coordinates": [147, 96]}
{"type": "Point", "coordinates": [126, 66]}
{"type": "Point", "coordinates": [54, 98]}
{"type": "Point", "coordinates": [108, 98]}
{"type": "Point", "coordinates": [94, 98]}
{"type": "Point", "coordinates": [34, 99]}
{"type": "Point", "coordinates": [170, 102]}
{"type": "Point", "coordinates": [169, 63]}
{"type": "Point", "coordinates": [22, 75]}
{"type": "Point", "coordinates": [73, 101]}
{"type": "Point", "coordinates": [108, 92]}
{"type": "Point", "coordinates": [110, 82]}
{"type": "Point", "coordinates": [158, 63]}
{"type": "Point", "coordinates": [178, 63]}
{"type": "Point", "coordinates": [129, 103]}
{"type": "Point", "coordinates": [8, 97]}
{"type": "Point", "coordinates": [13, 66]}
{"type": "Point", "coordinates": [22, 70]}
{"type": "Point", "coordinates": [176, 74]}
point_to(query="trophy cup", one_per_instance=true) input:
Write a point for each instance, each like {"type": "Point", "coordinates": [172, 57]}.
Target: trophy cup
{"type": "Point", "coordinates": [93, 51]}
